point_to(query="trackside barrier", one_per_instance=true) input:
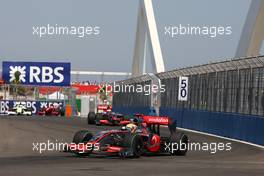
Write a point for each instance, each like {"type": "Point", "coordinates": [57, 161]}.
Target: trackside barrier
{"type": "Point", "coordinates": [6, 105]}
{"type": "Point", "coordinates": [214, 90]}
{"type": "Point", "coordinates": [236, 126]}
{"type": "Point", "coordinates": [132, 110]}
{"type": "Point", "coordinates": [242, 127]}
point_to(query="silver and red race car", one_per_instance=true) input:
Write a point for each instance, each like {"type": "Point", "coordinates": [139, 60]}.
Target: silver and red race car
{"type": "Point", "coordinates": [108, 118]}
{"type": "Point", "coordinates": [125, 143]}
{"type": "Point", "coordinates": [20, 109]}
{"type": "Point", "coordinates": [100, 110]}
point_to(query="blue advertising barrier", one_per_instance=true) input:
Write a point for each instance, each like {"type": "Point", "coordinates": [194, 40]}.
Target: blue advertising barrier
{"type": "Point", "coordinates": [37, 73]}
{"type": "Point", "coordinates": [237, 126]}
{"type": "Point", "coordinates": [131, 110]}
{"type": "Point", "coordinates": [36, 106]}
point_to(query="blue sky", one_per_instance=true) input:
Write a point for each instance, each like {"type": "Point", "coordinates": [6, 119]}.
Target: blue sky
{"type": "Point", "coordinates": [112, 50]}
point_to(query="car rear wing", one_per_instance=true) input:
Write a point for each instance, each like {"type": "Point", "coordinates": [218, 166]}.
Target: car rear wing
{"type": "Point", "coordinates": [159, 120]}
{"type": "Point", "coordinates": [103, 108]}
{"type": "Point", "coordinates": [153, 122]}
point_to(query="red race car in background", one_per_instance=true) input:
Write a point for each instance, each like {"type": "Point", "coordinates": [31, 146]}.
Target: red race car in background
{"type": "Point", "coordinates": [100, 110]}
{"type": "Point", "coordinates": [110, 118]}
{"type": "Point", "coordinates": [52, 110]}
{"type": "Point", "coordinates": [125, 143]}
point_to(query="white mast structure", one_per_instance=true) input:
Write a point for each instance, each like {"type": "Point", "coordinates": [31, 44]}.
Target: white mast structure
{"type": "Point", "coordinates": [252, 35]}
{"type": "Point", "coordinates": [147, 37]}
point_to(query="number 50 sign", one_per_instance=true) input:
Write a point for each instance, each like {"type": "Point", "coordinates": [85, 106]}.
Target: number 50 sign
{"type": "Point", "coordinates": [183, 89]}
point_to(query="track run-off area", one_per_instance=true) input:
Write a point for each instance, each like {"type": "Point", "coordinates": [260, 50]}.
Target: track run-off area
{"type": "Point", "coordinates": [19, 157]}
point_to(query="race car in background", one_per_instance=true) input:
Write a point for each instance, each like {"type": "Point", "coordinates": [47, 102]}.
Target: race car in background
{"type": "Point", "coordinates": [52, 110]}
{"type": "Point", "coordinates": [125, 143]}
{"type": "Point", "coordinates": [20, 108]}
{"type": "Point", "coordinates": [115, 119]}
{"type": "Point", "coordinates": [100, 111]}
{"type": "Point", "coordinates": [112, 119]}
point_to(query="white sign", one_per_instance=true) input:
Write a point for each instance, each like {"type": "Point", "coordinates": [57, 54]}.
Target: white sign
{"type": "Point", "coordinates": [183, 89]}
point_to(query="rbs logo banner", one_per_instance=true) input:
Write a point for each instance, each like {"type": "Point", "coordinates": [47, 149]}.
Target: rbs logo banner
{"type": "Point", "coordinates": [37, 73]}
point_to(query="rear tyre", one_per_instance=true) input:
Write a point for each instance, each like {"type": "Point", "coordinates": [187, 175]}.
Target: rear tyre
{"type": "Point", "coordinates": [91, 118]}
{"type": "Point", "coordinates": [82, 136]}
{"type": "Point", "coordinates": [181, 141]}
{"type": "Point", "coordinates": [134, 143]}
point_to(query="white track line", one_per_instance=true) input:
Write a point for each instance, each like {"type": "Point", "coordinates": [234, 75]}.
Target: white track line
{"type": "Point", "coordinates": [226, 138]}
{"type": "Point", "coordinates": [214, 135]}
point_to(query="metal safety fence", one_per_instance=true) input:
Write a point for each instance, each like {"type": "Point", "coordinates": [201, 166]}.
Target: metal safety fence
{"type": "Point", "coordinates": [231, 86]}
{"type": "Point", "coordinates": [126, 97]}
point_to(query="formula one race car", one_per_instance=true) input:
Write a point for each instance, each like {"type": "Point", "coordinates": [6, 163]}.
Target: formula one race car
{"type": "Point", "coordinates": [101, 110]}
{"type": "Point", "coordinates": [125, 143]}
{"type": "Point", "coordinates": [108, 118]}
{"type": "Point", "coordinates": [20, 109]}
{"type": "Point", "coordinates": [51, 111]}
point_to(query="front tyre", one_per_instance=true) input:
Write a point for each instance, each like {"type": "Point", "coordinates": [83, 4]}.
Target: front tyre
{"type": "Point", "coordinates": [135, 144]}
{"type": "Point", "coordinates": [82, 137]}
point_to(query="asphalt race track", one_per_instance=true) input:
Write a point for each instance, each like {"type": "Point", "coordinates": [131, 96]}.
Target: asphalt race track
{"type": "Point", "coordinates": [17, 157]}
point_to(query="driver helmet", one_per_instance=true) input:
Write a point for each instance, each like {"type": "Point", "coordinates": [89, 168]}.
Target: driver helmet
{"type": "Point", "coordinates": [132, 127]}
